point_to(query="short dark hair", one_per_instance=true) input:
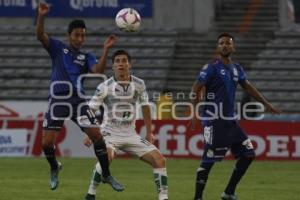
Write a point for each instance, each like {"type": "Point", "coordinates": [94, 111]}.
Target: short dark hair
{"type": "Point", "coordinates": [120, 52]}
{"type": "Point", "coordinates": [77, 23]}
{"type": "Point", "coordinates": [225, 35]}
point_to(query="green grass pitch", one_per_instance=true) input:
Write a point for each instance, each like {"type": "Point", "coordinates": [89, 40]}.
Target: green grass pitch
{"type": "Point", "coordinates": [27, 179]}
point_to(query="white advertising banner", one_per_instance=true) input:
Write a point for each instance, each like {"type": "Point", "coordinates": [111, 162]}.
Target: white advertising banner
{"type": "Point", "coordinates": [28, 115]}
{"type": "Point", "coordinates": [13, 142]}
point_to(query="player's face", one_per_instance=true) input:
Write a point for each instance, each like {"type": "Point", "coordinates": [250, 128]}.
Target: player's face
{"type": "Point", "coordinates": [121, 65]}
{"type": "Point", "coordinates": [77, 38]}
{"type": "Point", "coordinates": [225, 46]}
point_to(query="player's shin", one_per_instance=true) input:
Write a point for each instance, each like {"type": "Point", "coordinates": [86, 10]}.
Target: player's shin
{"type": "Point", "coordinates": [101, 153]}
{"type": "Point", "coordinates": [161, 181]}
{"type": "Point", "coordinates": [95, 180]}
{"type": "Point", "coordinates": [240, 169]}
{"type": "Point", "coordinates": [201, 179]}
{"type": "Point", "coordinates": [49, 152]}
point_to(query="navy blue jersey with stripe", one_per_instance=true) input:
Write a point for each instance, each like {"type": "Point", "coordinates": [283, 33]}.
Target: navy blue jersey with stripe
{"type": "Point", "coordinates": [67, 65]}
{"type": "Point", "coordinates": [221, 82]}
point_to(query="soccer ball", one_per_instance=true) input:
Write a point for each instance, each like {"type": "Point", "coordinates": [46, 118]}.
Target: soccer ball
{"type": "Point", "coordinates": [128, 20]}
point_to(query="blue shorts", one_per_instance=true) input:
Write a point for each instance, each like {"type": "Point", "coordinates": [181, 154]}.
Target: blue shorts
{"type": "Point", "coordinates": [73, 108]}
{"type": "Point", "coordinates": [222, 135]}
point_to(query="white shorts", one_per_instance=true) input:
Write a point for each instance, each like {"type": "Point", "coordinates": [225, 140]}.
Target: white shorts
{"type": "Point", "coordinates": [132, 144]}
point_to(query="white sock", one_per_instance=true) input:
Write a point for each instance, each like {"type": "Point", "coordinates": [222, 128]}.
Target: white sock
{"type": "Point", "coordinates": [161, 181]}
{"type": "Point", "coordinates": [95, 180]}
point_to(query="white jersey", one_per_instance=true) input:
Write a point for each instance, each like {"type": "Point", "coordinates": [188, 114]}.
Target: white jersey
{"type": "Point", "coordinates": [120, 104]}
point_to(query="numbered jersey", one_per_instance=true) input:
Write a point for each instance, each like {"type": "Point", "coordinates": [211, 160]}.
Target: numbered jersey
{"type": "Point", "coordinates": [120, 102]}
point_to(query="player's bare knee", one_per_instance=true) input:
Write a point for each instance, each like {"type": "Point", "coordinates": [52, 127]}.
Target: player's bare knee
{"type": "Point", "coordinates": [251, 157]}
{"type": "Point", "coordinates": [48, 143]}
{"type": "Point", "coordinates": [95, 136]}
{"type": "Point", "coordinates": [49, 137]}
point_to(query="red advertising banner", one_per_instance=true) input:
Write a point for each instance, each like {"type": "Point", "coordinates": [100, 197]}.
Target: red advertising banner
{"type": "Point", "coordinates": [271, 140]}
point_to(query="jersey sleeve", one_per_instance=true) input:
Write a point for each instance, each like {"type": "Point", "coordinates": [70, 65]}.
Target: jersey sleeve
{"type": "Point", "coordinates": [54, 46]}
{"type": "Point", "coordinates": [205, 74]}
{"type": "Point", "coordinates": [143, 95]}
{"type": "Point", "coordinates": [91, 61]}
{"type": "Point", "coordinates": [98, 98]}
{"type": "Point", "coordinates": [242, 75]}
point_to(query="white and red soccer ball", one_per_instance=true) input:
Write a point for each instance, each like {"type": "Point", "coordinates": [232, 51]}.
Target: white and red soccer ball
{"type": "Point", "coordinates": [128, 20]}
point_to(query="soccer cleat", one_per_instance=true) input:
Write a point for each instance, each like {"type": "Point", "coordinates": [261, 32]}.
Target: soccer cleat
{"type": "Point", "coordinates": [225, 196]}
{"type": "Point", "coordinates": [54, 176]}
{"type": "Point", "coordinates": [114, 183]}
{"type": "Point", "coordinates": [90, 197]}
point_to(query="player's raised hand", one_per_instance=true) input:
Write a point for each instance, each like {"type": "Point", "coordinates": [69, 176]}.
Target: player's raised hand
{"type": "Point", "coordinates": [272, 109]}
{"type": "Point", "coordinates": [110, 41]}
{"type": "Point", "coordinates": [150, 137]}
{"type": "Point", "coordinates": [87, 142]}
{"type": "Point", "coordinates": [43, 8]}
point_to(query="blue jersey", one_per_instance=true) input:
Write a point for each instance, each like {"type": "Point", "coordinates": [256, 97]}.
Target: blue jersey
{"type": "Point", "coordinates": [68, 65]}
{"type": "Point", "coordinates": [221, 82]}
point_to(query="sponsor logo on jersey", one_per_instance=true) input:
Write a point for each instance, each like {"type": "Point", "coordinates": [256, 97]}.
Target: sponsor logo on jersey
{"type": "Point", "coordinates": [79, 62]}
{"type": "Point", "coordinates": [66, 51]}
{"type": "Point", "coordinates": [81, 57]}
{"type": "Point", "coordinates": [223, 72]}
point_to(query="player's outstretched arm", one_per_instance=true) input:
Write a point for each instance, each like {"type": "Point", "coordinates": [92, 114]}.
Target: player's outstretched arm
{"type": "Point", "coordinates": [252, 91]}
{"type": "Point", "coordinates": [148, 123]}
{"type": "Point", "coordinates": [100, 66]}
{"type": "Point", "coordinates": [40, 31]}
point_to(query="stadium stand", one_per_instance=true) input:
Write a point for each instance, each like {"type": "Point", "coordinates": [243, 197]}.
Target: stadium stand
{"type": "Point", "coordinates": [278, 70]}
{"type": "Point", "coordinates": [25, 67]}
{"type": "Point", "coordinates": [270, 57]}
{"type": "Point", "coordinates": [168, 59]}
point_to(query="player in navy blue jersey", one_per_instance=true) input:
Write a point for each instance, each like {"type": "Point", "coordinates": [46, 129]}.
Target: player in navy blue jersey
{"type": "Point", "coordinates": [218, 81]}
{"type": "Point", "coordinates": [66, 97]}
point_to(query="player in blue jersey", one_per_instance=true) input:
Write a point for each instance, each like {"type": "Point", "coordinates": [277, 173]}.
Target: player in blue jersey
{"type": "Point", "coordinates": [218, 81]}
{"type": "Point", "coordinates": [65, 101]}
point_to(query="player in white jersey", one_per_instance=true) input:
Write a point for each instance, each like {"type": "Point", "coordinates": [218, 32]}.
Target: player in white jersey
{"type": "Point", "coordinates": [120, 95]}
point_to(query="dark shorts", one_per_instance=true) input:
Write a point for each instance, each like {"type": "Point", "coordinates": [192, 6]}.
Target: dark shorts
{"type": "Point", "coordinates": [222, 135]}
{"type": "Point", "coordinates": [73, 108]}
